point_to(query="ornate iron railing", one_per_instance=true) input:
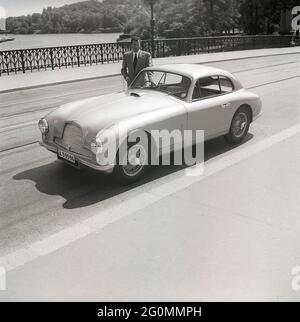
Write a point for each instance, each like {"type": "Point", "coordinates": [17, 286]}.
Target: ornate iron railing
{"type": "Point", "coordinates": [194, 46]}
{"type": "Point", "coordinates": [36, 59]}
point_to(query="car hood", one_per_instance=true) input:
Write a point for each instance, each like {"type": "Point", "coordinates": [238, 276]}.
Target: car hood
{"type": "Point", "coordinates": [96, 113]}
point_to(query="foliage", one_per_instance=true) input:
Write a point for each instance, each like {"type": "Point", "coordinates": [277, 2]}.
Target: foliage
{"type": "Point", "coordinates": [173, 18]}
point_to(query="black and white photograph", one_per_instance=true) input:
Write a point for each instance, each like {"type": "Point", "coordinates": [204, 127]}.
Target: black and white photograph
{"type": "Point", "coordinates": [149, 152]}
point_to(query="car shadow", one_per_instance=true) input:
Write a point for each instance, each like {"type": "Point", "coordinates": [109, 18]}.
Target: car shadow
{"type": "Point", "coordinates": [86, 187]}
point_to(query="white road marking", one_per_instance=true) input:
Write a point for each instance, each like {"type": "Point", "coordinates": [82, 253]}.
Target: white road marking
{"type": "Point", "coordinates": [158, 190]}
{"type": "Point", "coordinates": [17, 126]}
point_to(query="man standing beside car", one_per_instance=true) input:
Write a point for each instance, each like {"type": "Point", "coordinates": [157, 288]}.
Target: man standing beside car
{"type": "Point", "coordinates": [135, 60]}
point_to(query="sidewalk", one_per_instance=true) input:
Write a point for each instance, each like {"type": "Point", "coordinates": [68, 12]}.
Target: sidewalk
{"type": "Point", "coordinates": [21, 81]}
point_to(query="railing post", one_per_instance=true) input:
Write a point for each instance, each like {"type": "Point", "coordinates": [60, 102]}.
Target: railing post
{"type": "Point", "coordinates": [78, 56]}
{"type": "Point", "coordinates": [51, 58]}
{"type": "Point", "coordinates": [157, 48]}
{"type": "Point", "coordinates": [181, 47]}
{"type": "Point", "coordinates": [123, 51]}
{"type": "Point", "coordinates": [101, 54]}
{"type": "Point", "coordinates": [22, 61]}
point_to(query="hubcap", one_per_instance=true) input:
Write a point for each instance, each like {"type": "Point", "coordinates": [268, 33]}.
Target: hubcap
{"type": "Point", "coordinates": [135, 161]}
{"type": "Point", "coordinates": [240, 124]}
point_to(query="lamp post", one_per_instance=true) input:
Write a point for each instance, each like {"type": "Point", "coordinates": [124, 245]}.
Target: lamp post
{"type": "Point", "coordinates": [152, 24]}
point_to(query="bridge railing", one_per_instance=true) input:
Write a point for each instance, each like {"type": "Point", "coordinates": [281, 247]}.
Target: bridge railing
{"type": "Point", "coordinates": [37, 59]}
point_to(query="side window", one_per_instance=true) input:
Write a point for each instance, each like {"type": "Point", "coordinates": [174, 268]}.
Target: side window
{"type": "Point", "coordinates": [209, 86]}
{"type": "Point", "coordinates": [226, 85]}
{"type": "Point", "coordinates": [196, 92]}
{"type": "Point", "coordinates": [206, 87]}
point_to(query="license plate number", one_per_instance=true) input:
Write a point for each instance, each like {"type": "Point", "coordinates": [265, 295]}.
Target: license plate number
{"type": "Point", "coordinates": [66, 156]}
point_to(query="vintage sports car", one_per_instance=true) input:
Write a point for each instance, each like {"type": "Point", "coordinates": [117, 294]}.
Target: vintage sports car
{"type": "Point", "coordinates": [169, 97]}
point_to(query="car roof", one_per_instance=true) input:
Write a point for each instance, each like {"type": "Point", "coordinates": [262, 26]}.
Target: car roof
{"type": "Point", "coordinates": [191, 70]}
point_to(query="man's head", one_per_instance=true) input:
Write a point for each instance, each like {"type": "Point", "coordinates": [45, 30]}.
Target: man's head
{"type": "Point", "coordinates": [135, 44]}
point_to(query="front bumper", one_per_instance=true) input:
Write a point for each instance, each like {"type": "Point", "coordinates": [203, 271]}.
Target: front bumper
{"type": "Point", "coordinates": [81, 160]}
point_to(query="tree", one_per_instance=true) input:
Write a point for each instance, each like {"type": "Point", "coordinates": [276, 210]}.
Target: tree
{"type": "Point", "coordinates": [260, 16]}
{"type": "Point", "coordinates": [173, 18]}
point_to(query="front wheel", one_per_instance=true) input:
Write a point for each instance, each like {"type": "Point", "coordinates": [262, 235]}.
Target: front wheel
{"type": "Point", "coordinates": [133, 165]}
{"type": "Point", "coordinates": [239, 126]}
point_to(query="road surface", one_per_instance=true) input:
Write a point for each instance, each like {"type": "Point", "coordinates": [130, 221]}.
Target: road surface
{"type": "Point", "coordinates": [234, 234]}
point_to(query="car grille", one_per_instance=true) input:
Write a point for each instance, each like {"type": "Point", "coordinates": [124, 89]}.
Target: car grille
{"type": "Point", "coordinates": [73, 140]}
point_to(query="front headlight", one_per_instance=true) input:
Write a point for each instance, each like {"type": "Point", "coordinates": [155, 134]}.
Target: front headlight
{"type": "Point", "coordinates": [43, 126]}
{"type": "Point", "coordinates": [96, 146]}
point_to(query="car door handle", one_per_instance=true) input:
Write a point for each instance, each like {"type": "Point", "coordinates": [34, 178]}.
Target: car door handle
{"type": "Point", "coordinates": [226, 105]}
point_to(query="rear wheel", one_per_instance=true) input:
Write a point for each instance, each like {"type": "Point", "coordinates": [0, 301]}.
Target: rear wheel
{"type": "Point", "coordinates": [239, 126]}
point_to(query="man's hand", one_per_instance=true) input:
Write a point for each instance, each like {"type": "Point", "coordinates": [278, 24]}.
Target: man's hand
{"type": "Point", "coordinates": [127, 80]}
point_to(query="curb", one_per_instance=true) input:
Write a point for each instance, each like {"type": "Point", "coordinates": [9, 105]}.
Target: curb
{"type": "Point", "coordinates": [56, 83]}
{"type": "Point", "coordinates": [119, 74]}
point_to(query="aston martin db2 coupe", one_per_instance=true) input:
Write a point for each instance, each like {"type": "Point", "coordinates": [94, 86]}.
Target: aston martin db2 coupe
{"type": "Point", "coordinates": [168, 97]}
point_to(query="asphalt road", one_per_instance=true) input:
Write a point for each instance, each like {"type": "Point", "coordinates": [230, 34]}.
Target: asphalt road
{"type": "Point", "coordinates": [29, 196]}
{"type": "Point", "coordinates": [41, 196]}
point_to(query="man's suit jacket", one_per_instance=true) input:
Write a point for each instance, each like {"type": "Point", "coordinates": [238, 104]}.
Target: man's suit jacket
{"type": "Point", "coordinates": [144, 60]}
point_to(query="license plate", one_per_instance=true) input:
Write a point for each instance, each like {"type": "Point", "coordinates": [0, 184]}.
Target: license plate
{"type": "Point", "coordinates": [66, 156]}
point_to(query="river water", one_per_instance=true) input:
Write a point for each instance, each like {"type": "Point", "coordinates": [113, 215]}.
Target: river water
{"type": "Point", "coordinates": [52, 40]}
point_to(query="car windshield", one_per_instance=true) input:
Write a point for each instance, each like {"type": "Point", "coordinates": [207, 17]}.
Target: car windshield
{"type": "Point", "coordinates": [170, 83]}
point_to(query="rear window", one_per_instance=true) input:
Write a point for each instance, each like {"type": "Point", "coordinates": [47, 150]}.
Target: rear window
{"type": "Point", "coordinates": [212, 86]}
{"type": "Point", "coordinates": [226, 85]}
{"type": "Point", "coordinates": [206, 87]}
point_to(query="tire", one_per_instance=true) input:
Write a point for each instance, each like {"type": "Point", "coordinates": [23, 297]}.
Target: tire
{"type": "Point", "coordinates": [128, 174]}
{"type": "Point", "coordinates": [239, 126]}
